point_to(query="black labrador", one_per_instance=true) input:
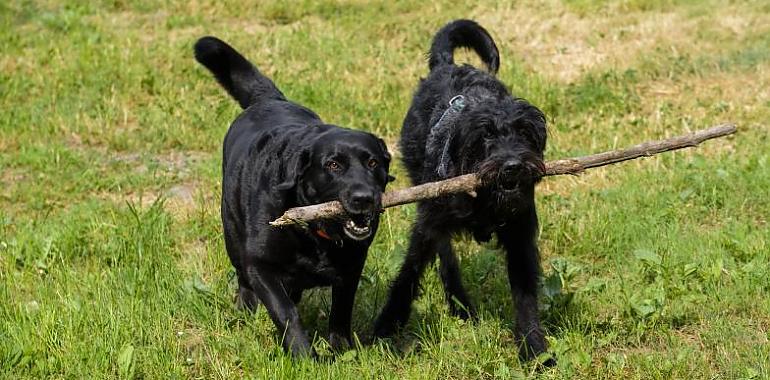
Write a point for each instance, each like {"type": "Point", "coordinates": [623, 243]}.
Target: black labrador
{"type": "Point", "coordinates": [277, 155]}
{"type": "Point", "coordinates": [464, 120]}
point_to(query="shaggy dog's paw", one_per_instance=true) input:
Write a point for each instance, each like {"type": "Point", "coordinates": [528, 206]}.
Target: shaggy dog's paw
{"type": "Point", "coordinates": [339, 342]}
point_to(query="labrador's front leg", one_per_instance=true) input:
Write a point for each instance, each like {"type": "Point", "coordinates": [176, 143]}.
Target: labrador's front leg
{"type": "Point", "coordinates": [343, 297]}
{"type": "Point", "coordinates": [281, 309]}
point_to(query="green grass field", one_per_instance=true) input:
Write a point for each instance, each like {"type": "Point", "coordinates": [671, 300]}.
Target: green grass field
{"type": "Point", "coordinates": [111, 256]}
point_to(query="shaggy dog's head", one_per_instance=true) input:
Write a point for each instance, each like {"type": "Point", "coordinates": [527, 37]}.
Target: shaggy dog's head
{"type": "Point", "coordinates": [502, 138]}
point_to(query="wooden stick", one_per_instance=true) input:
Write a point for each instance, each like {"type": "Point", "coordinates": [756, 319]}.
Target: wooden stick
{"type": "Point", "coordinates": [469, 182]}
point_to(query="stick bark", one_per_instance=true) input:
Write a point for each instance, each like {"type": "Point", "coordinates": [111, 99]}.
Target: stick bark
{"type": "Point", "coordinates": [469, 182]}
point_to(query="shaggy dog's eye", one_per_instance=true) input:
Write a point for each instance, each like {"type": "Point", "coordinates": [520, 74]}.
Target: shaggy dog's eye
{"type": "Point", "coordinates": [372, 163]}
{"type": "Point", "coordinates": [487, 130]}
{"type": "Point", "coordinates": [333, 166]}
{"type": "Point", "coordinates": [529, 137]}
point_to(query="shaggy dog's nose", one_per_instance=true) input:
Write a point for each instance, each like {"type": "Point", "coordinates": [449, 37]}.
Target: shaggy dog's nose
{"type": "Point", "coordinates": [511, 167]}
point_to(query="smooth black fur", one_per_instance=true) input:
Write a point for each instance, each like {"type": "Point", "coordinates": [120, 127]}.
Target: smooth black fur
{"type": "Point", "coordinates": [496, 134]}
{"type": "Point", "coordinates": [277, 155]}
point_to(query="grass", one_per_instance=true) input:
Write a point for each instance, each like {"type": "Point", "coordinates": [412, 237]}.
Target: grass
{"type": "Point", "coordinates": [111, 256]}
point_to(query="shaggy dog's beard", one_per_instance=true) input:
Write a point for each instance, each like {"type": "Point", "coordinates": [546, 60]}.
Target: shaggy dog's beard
{"type": "Point", "coordinates": [507, 191]}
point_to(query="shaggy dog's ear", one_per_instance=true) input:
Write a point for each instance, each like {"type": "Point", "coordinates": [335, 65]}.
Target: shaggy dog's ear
{"type": "Point", "coordinates": [295, 169]}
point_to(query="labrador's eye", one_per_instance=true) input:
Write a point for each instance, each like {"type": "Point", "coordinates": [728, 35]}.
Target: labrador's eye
{"type": "Point", "coordinates": [333, 165]}
{"type": "Point", "coordinates": [372, 163]}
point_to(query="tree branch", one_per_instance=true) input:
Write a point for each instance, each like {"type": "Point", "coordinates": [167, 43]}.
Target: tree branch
{"type": "Point", "coordinates": [469, 182]}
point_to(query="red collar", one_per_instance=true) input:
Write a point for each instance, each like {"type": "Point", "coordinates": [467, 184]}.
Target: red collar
{"type": "Point", "coordinates": [323, 234]}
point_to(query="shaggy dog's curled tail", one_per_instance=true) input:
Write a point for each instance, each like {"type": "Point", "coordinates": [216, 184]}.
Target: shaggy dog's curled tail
{"type": "Point", "coordinates": [463, 33]}
{"type": "Point", "coordinates": [234, 72]}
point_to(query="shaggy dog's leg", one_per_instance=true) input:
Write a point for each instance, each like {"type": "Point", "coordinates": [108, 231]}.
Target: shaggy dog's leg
{"type": "Point", "coordinates": [421, 252]}
{"type": "Point", "coordinates": [343, 296]}
{"type": "Point", "coordinates": [296, 296]}
{"type": "Point", "coordinates": [459, 302]}
{"type": "Point", "coordinates": [518, 236]}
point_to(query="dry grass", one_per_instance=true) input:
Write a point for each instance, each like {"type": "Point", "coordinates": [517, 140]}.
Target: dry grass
{"type": "Point", "coordinates": [563, 45]}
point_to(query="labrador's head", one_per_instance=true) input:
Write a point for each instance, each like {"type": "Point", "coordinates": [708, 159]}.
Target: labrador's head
{"type": "Point", "coordinates": [345, 165]}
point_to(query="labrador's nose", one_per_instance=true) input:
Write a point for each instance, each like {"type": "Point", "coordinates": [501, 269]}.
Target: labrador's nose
{"type": "Point", "coordinates": [362, 200]}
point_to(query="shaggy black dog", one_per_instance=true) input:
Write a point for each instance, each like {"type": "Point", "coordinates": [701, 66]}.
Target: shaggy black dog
{"type": "Point", "coordinates": [463, 120]}
{"type": "Point", "coordinates": [277, 155]}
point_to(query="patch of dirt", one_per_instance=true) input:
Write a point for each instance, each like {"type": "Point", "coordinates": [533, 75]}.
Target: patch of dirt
{"type": "Point", "coordinates": [9, 176]}
{"type": "Point", "coordinates": [181, 200]}
{"type": "Point", "coordinates": [176, 162]}
{"type": "Point", "coordinates": [187, 198]}
{"type": "Point", "coordinates": [184, 194]}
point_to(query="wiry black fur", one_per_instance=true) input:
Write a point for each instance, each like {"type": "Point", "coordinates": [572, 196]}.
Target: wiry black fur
{"type": "Point", "coordinates": [496, 134]}
{"type": "Point", "coordinates": [278, 154]}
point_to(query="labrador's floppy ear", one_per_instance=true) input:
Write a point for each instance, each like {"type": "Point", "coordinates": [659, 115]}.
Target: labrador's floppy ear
{"type": "Point", "coordinates": [384, 148]}
{"type": "Point", "coordinates": [386, 154]}
{"type": "Point", "coordinates": [294, 170]}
